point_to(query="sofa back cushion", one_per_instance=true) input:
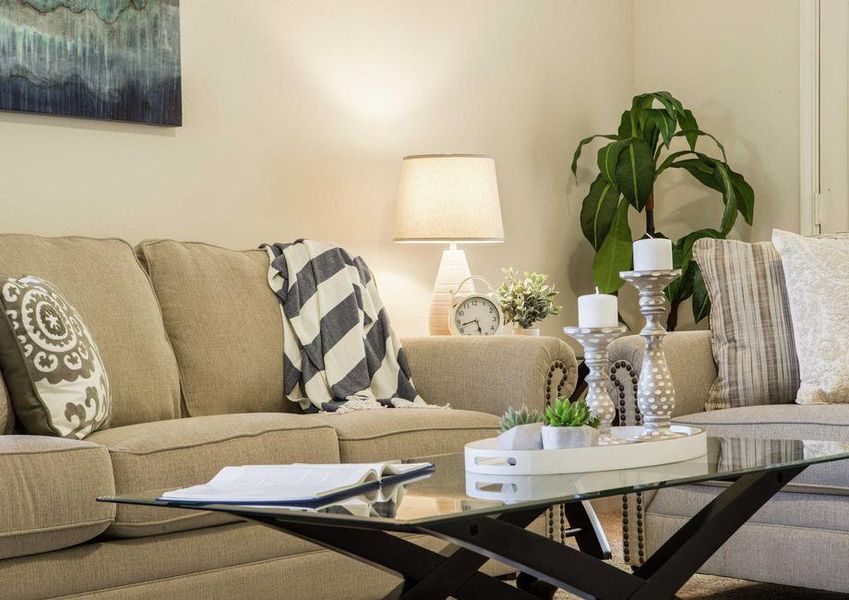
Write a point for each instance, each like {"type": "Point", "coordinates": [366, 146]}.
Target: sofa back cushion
{"type": "Point", "coordinates": [103, 280]}
{"type": "Point", "coordinates": [224, 323]}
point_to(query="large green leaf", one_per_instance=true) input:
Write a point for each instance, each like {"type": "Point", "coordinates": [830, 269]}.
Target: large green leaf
{"type": "Point", "coordinates": [580, 147]}
{"type": "Point", "coordinates": [627, 126]}
{"type": "Point", "coordinates": [689, 133]}
{"type": "Point", "coordinates": [701, 301]}
{"type": "Point", "coordinates": [615, 252]}
{"type": "Point", "coordinates": [689, 127]}
{"type": "Point", "coordinates": [702, 171]}
{"type": "Point", "coordinates": [670, 159]}
{"type": "Point", "coordinates": [672, 104]}
{"type": "Point", "coordinates": [665, 124]}
{"type": "Point", "coordinates": [729, 215]}
{"type": "Point", "coordinates": [715, 175]}
{"type": "Point", "coordinates": [608, 158]}
{"type": "Point", "coordinates": [681, 288]}
{"type": "Point", "coordinates": [745, 196]}
{"type": "Point", "coordinates": [598, 210]}
{"type": "Point", "coordinates": [635, 172]}
{"type": "Point", "coordinates": [686, 244]}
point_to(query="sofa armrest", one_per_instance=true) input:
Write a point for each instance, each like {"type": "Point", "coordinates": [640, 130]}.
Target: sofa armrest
{"type": "Point", "coordinates": [690, 360]}
{"type": "Point", "coordinates": [488, 374]}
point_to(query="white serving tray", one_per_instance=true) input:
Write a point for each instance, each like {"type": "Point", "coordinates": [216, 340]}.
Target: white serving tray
{"type": "Point", "coordinates": [487, 457]}
{"type": "Point", "coordinates": [511, 489]}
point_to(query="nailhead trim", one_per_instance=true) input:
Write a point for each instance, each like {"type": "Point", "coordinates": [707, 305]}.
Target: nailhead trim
{"type": "Point", "coordinates": [619, 387]}
{"type": "Point", "coordinates": [557, 365]}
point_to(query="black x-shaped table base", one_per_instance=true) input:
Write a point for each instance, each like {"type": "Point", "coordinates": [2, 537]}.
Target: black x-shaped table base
{"type": "Point", "coordinates": [455, 571]}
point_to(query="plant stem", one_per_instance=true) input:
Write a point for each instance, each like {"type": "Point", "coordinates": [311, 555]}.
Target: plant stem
{"type": "Point", "coordinates": [650, 214]}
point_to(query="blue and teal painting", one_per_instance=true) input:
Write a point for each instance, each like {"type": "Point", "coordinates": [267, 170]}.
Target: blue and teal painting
{"type": "Point", "coordinates": [103, 59]}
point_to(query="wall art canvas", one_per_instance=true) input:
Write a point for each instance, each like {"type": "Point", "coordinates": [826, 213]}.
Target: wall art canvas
{"type": "Point", "coordinates": [103, 59]}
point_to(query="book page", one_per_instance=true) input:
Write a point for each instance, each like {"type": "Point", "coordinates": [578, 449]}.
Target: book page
{"type": "Point", "coordinates": [281, 483]}
{"type": "Point", "coordinates": [274, 483]}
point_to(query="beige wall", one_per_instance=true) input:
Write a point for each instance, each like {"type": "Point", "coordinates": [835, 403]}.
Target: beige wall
{"type": "Point", "coordinates": [736, 65]}
{"type": "Point", "coordinates": [296, 115]}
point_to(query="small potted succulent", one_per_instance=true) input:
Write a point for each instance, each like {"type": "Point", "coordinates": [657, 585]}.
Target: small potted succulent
{"type": "Point", "coordinates": [526, 300]}
{"type": "Point", "coordinates": [569, 425]}
{"type": "Point", "coordinates": [520, 430]}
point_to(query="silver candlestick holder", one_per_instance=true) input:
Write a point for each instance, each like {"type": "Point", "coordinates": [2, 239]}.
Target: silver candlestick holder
{"type": "Point", "coordinates": [655, 390]}
{"type": "Point", "coordinates": [595, 341]}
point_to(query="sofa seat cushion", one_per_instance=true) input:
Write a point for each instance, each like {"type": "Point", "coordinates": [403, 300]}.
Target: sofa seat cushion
{"type": "Point", "coordinates": [104, 281]}
{"type": "Point", "coordinates": [162, 455]}
{"type": "Point", "coordinates": [48, 491]}
{"type": "Point", "coordinates": [790, 428]}
{"type": "Point", "coordinates": [225, 324]}
{"type": "Point", "coordinates": [788, 509]}
{"type": "Point", "coordinates": [777, 421]}
{"type": "Point", "coordinates": [235, 561]}
{"type": "Point", "coordinates": [398, 433]}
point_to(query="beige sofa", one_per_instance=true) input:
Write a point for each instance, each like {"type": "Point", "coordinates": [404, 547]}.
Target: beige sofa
{"type": "Point", "coordinates": [801, 536]}
{"type": "Point", "coordinates": [191, 338]}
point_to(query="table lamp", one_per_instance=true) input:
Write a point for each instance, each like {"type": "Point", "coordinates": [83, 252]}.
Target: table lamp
{"type": "Point", "coordinates": [448, 199]}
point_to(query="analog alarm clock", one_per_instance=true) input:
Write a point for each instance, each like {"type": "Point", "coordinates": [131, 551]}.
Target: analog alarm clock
{"type": "Point", "coordinates": [473, 313]}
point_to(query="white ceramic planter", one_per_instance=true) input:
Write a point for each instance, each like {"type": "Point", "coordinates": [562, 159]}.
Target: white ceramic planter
{"type": "Point", "coordinates": [522, 437]}
{"type": "Point", "coordinates": [531, 331]}
{"type": "Point", "coordinates": [568, 437]}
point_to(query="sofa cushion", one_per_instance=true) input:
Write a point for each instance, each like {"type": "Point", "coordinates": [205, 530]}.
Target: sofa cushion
{"type": "Point", "coordinates": [153, 457]}
{"type": "Point", "coordinates": [50, 362]}
{"type": "Point", "coordinates": [790, 509]}
{"type": "Point", "coordinates": [398, 433]}
{"type": "Point", "coordinates": [817, 293]}
{"type": "Point", "coordinates": [784, 429]}
{"type": "Point", "coordinates": [751, 333]}
{"type": "Point", "coordinates": [784, 421]}
{"type": "Point", "coordinates": [48, 493]}
{"type": "Point", "coordinates": [105, 283]}
{"type": "Point", "coordinates": [224, 323]}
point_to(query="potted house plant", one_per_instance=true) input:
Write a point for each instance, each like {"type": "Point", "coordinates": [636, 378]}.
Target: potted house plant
{"type": "Point", "coordinates": [569, 425]}
{"type": "Point", "coordinates": [654, 135]}
{"type": "Point", "coordinates": [526, 300]}
{"type": "Point", "coordinates": [520, 430]}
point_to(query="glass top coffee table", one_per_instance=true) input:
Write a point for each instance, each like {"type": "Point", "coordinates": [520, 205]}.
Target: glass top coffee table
{"type": "Point", "coordinates": [485, 516]}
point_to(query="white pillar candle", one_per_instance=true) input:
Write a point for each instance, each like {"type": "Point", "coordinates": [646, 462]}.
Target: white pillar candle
{"type": "Point", "coordinates": [653, 254]}
{"type": "Point", "coordinates": [598, 310]}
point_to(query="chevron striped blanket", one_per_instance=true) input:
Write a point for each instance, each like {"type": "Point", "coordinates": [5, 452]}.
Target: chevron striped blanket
{"type": "Point", "coordinates": [340, 351]}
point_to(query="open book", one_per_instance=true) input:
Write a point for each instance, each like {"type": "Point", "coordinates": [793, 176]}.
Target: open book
{"type": "Point", "coordinates": [298, 484]}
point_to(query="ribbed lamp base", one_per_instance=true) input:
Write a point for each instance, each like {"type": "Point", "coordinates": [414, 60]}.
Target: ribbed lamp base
{"type": "Point", "coordinates": [453, 268]}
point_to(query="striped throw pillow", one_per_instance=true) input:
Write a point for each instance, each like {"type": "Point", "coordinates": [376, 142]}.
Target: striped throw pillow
{"type": "Point", "coordinates": [751, 330]}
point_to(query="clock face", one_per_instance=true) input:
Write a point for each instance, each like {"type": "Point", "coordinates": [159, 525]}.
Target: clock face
{"type": "Point", "coordinates": [477, 315]}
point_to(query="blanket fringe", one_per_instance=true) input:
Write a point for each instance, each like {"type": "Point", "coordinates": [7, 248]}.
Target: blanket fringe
{"type": "Point", "coordinates": [360, 403]}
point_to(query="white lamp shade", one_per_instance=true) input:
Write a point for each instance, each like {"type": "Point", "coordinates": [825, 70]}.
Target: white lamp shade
{"type": "Point", "coordinates": [448, 198]}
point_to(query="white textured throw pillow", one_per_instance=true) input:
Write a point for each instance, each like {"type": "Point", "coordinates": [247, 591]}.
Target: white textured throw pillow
{"type": "Point", "coordinates": [816, 271]}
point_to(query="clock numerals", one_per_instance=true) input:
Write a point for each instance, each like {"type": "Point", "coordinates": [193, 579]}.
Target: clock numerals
{"type": "Point", "coordinates": [477, 316]}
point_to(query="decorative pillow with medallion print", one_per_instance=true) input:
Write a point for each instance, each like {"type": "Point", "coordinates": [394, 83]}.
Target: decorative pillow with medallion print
{"type": "Point", "coordinates": [50, 363]}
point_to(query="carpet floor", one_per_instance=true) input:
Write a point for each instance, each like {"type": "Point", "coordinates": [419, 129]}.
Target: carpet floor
{"type": "Point", "coordinates": [709, 586]}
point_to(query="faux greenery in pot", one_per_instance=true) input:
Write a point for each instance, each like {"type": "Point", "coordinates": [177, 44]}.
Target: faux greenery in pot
{"type": "Point", "coordinates": [569, 425]}
{"type": "Point", "coordinates": [637, 154]}
{"type": "Point", "coordinates": [514, 418]}
{"type": "Point", "coordinates": [520, 430]}
{"type": "Point", "coordinates": [526, 299]}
